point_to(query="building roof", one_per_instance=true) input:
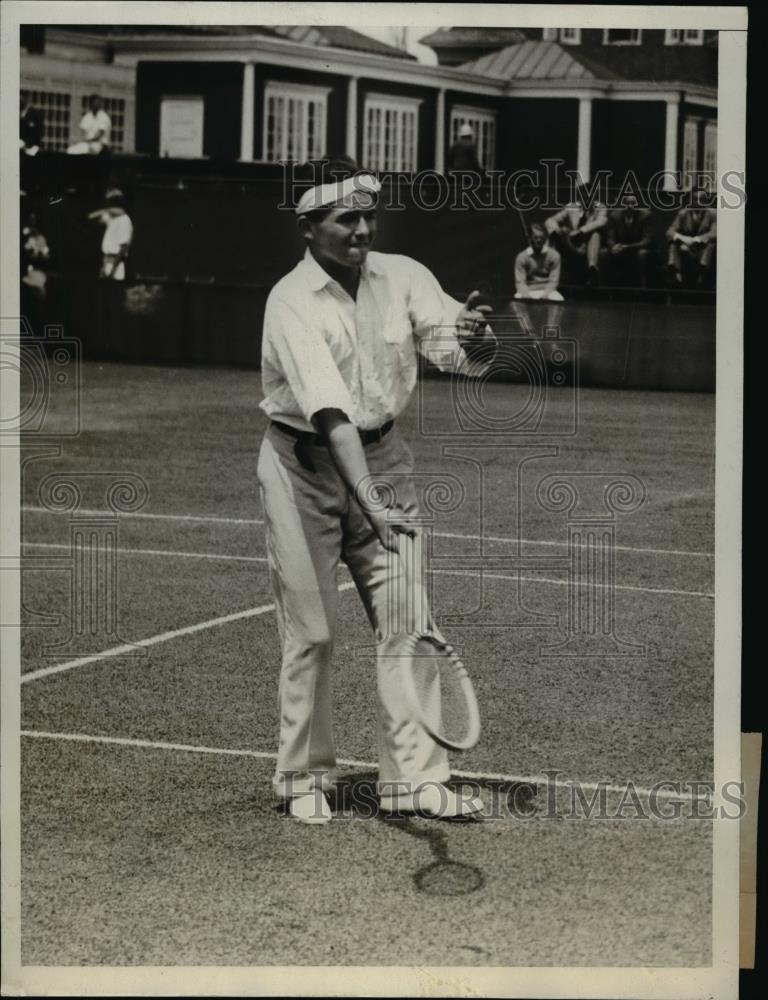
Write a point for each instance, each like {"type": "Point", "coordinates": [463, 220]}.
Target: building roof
{"type": "Point", "coordinates": [331, 36]}
{"type": "Point", "coordinates": [531, 60]}
{"type": "Point", "coordinates": [473, 36]}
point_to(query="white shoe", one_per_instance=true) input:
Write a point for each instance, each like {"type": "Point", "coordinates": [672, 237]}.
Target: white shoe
{"type": "Point", "coordinates": [435, 800]}
{"type": "Point", "coordinates": [311, 808]}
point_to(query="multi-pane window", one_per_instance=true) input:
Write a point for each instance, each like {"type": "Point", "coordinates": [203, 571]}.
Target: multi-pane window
{"type": "Point", "coordinates": [115, 108]}
{"type": "Point", "coordinates": [690, 151]}
{"type": "Point", "coordinates": [684, 36]}
{"type": "Point", "coordinates": [294, 122]}
{"type": "Point", "coordinates": [710, 154]}
{"type": "Point", "coordinates": [568, 36]}
{"type": "Point", "coordinates": [483, 125]}
{"type": "Point", "coordinates": [391, 131]}
{"type": "Point", "coordinates": [622, 36]}
{"type": "Point", "coordinates": [55, 108]}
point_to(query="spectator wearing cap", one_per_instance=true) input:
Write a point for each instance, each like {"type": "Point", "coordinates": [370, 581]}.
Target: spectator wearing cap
{"type": "Point", "coordinates": [96, 126]}
{"type": "Point", "coordinates": [692, 241]}
{"type": "Point", "coordinates": [629, 242]}
{"type": "Point", "coordinates": [577, 232]}
{"type": "Point", "coordinates": [462, 156]}
{"type": "Point", "coordinates": [118, 235]}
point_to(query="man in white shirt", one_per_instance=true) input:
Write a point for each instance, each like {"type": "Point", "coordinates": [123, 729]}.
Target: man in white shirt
{"type": "Point", "coordinates": [95, 126]}
{"type": "Point", "coordinates": [118, 235]}
{"type": "Point", "coordinates": [339, 363]}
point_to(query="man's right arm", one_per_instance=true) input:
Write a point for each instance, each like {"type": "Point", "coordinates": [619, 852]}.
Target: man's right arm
{"type": "Point", "coordinates": [348, 456]}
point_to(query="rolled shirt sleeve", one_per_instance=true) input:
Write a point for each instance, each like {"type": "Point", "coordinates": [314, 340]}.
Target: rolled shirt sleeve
{"type": "Point", "coordinates": [301, 354]}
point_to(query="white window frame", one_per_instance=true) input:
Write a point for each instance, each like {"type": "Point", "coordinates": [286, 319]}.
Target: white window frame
{"type": "Point", "coordinates": [709, 162]}
{"type": "Point", "coordinates": [632, 41]}
{"type": "Point", "coordinates": [476, 117]}
{"type": "Point", "coordinates": [574, 39]}
{"type": "Point", "coordinates": [684, 36]}
{"type": "Point", "coordinates": [56, 106]}
{"type": "Point", "coordinates": [297, 147]}
{"type": "Point", "coordinates": [559, 35]}
{"type": "Point", "coordinates": [690, 151]}
{"type": "Point", "coordinates": [401, 154]}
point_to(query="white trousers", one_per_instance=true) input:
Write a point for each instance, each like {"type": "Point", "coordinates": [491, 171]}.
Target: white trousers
{"type": "Point", "coordinates": [312, 524]}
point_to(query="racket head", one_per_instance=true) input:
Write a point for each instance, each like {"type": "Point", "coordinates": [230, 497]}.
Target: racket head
{"type": "Point", "coordinates": [439, 691]}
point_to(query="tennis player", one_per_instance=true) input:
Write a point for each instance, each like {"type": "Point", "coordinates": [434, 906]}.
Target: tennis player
{"type": "Point", "coordinates": [339, 364]}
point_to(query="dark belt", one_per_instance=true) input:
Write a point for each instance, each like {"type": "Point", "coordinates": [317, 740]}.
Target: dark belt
{"type": "Point", "coordinates": [307, 439]}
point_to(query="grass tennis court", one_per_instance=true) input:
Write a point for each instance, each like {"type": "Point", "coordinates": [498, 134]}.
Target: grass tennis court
{"type": "Point", "coordinates": [150, 834]}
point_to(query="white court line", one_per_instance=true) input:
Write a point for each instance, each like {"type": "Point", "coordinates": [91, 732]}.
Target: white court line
{"type": "Point", "coordinates": [153, 552]}
{"type": "Point", "coordinates": [438, 534]}
{"type": "Point", "coordinates": [434, 572]}
{"type": "Point", "coordinates": [532, 779]}
{"type": "Point", "coordinates": [153, 640]}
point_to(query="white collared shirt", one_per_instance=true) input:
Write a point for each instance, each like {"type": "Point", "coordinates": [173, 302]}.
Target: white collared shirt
{"type": "Point", "coordinates": [119, 232]}
{"type": "Point", "coordinates": [92, 124]}
{"type": "Point", "coordinates": [322, 349]}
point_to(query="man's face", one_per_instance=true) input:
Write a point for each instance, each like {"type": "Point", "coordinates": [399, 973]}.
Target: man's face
{"type": "Point", "coordinates": [344, 236]}
{"type": "Point", "coordinates": [95, 104]}
{"type": "Point", "coordinates": [630, 204]}
{"type": "Point", "coordinates": [538, 239]}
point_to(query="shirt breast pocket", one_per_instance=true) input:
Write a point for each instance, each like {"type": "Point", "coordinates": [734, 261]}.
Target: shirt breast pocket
{"type": "Point", "coordinates": [397, 331]}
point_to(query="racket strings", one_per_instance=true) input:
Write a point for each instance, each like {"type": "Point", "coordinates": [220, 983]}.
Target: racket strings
{"type": "Point", "coordinates": [438, 685]}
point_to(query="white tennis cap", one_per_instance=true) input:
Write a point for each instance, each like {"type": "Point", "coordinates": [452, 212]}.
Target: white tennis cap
{"type": "Point", "coordinates": [355, 192]}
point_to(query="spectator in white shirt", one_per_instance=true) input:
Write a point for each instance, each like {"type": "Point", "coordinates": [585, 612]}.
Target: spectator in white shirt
{"type": "Point", "coordinates": [95, 126]}
{"type": "Point", "coordinates": [118, 234]}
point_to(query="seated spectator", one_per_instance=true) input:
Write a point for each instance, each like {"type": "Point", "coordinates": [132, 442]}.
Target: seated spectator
{"type": "Point", "coordinates": [692, 240]}
{"type": "Point", "coordinates": [118, 234]}
{"type": "Point", "coordinates": [95, 126]}
{"type": "Point", "coordinates": [463, 153]}
{"type": "Point", "coordinates": [30, 126]}
{"type": "Point", "coordinates": [629, 240]}
{"type": "Point", "coordinates": [537, 274]}
{"type": "Point", "coordinates": [34, 258]}
{"type": "Point", "coordinates": [537, 269]}
{"type": "Point", "coordinates": [577, 232]}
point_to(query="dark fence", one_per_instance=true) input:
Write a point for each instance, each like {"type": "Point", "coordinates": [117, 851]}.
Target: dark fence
{"type": "Point", "coordinates": [617, 344]}
{"type": "Point", "coordinates": [192, 225]}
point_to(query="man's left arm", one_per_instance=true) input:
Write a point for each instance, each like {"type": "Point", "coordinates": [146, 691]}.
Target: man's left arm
{"type": "Point", "coordinates": [445, 328]}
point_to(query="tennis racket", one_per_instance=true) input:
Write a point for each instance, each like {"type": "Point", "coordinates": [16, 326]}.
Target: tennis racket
{"type": "Point", "coordinates": [435, 682]}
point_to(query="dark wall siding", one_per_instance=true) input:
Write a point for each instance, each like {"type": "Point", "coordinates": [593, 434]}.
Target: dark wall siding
{"type": "Point", "coordinates": [628, 135]}
{"type": "Point", "coordinates": [530, 130]}
{"type": "Point", "coordinates": [220, 85]}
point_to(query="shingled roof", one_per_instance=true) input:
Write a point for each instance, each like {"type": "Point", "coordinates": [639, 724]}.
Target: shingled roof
{"type": "Point", "coordinates": [477, 35]}
{"type": "Point", "coordinates": [331, 36]}
{"type": "Point", "coordinates": [538, 61]}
